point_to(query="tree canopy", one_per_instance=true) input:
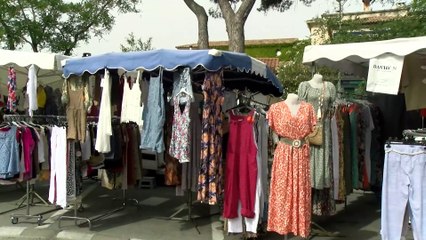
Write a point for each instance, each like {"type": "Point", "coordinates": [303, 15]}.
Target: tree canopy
{"type": "Point", "coordinates": [57, 25]}
{"type": "Point", "coordinates": [134, 44]}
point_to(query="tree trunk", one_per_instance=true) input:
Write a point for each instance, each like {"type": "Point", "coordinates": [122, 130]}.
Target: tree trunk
{"type": "Point", "coordinates": [202, 19]}
{"type": "Point", "coordinates": [235, 22]}
{"type": "Point", "coordinates": [236, 36]}
{"type": "Point", "coordinates": [10, 42]}
{"type": "Point", "coordinates": [34, 47]}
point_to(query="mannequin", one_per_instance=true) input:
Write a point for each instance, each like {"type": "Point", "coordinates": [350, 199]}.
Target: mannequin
{"type": "Point", "coordinates": [293, 103]}
{"type": "Point", "coordinates": [321, 94]}
{"type": "Point", "coordinates": [316, 81]}
{"type": "Point", "coordinates": [291, 121]}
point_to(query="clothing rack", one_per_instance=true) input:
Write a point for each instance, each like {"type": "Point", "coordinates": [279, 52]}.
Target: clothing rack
{"type": "Point", "coordinates": [78, 207]}
{"type": "Point", "coordinates": [410, 133]}
{"type": "Point", "coordinates": [20, 205]}
{"type": "Point", "coordinates": [248, 97]}
{"type": "Point", "coordinates": [188, 206]}
{"type": "Point", "coordinates": [20, 116]}
{"type": "Point", "coordinates": [30, 192]}
{"type": "Point", "coordinates": [14, 217]}
{"type": "Point", "coordinates": [123, 206]}
{"type": "Point", "coordinates": [125, 201]}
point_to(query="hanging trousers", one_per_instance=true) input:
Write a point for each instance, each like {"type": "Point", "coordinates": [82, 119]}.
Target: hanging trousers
{"type": "Point", "coordinates": [241, 168]}
{"type": "Point", "coordinates": [58, 167]}
{"type": "Point", "coordinates": [404, 179]}
{"type": "Point", "coordinates": [235, 225]}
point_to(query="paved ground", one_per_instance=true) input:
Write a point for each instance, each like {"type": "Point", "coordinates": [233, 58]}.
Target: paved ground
{"type": "Point", "coordinates": [359, 220]}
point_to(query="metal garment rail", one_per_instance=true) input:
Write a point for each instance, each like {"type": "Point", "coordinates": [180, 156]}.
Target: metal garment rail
{"type": "Point", "coordinates": [80, 221]}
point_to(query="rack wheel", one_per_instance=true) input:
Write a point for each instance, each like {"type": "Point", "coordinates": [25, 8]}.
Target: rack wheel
{"type": "Point", "coordinates": [14, 220]}
{"type": "Point", "coordinates": [39, 220]}
{"type": "Point", "coordinates": [80, 208]}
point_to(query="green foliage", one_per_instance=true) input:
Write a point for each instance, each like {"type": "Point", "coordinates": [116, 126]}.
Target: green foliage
{"type": "Point", "coordinates": [134, 44]}
{"type": "Point", "coordinates": [360, 30]}
{"type": "Point", "coordinates": [292, 72]}
{"type": "Point", "coordinates": [269, 51]}
{"type": "Point", "coordinates": [281, 5]}
{"type": "Point", "coordinates": [57, 25]}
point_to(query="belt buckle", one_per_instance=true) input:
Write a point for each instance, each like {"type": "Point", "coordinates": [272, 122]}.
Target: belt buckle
{"type": "Point", "coordinates": [296, 143]}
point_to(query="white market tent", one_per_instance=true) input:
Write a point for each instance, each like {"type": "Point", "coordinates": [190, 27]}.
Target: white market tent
{"type": "Point", "coordinates": [353, 58]}
{"type": "Point", "coordinates": [48, 65]}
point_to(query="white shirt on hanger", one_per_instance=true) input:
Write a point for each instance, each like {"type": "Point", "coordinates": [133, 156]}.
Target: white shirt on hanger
{"type": "Point", "coordinates": [131, 110]}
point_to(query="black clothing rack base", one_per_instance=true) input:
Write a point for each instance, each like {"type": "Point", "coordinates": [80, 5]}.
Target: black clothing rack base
{"type": "Point", "coordinates": [123, 206]}
{"type": "Point", "coordinates": [189, 217]}
{"type": "Point", "coordinates": [321, 232]}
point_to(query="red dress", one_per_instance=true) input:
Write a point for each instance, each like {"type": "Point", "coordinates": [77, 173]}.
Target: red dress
{"type": "Point", "coordinates": [290, 189]}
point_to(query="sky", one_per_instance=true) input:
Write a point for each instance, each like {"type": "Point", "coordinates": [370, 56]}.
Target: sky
{"type": "Point", "coordinates": [171, 23]}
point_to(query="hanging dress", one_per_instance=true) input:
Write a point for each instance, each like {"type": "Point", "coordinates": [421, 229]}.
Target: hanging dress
{"type": "Point", "coordinates": [180, 145]}
{"type": "Point", "coordinates": [76, 114]}
{"type": "Point", "coordinates": [154, 116]}
{"type": "Point", "coordinates": [11, 85]}
{"type": "Point", "coordinates": [211, 172]}
{"type": "Point", "coordinates": [131, 110]}
{"type": "Point", "coordinates": [320, 156]}
{"type": "Point", "coordinates": [290, 187]}
{"type": "Point", "coordinates": [104, 131]}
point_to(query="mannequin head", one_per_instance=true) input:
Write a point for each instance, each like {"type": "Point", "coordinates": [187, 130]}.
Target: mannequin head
{"type": "Point", "coordinates": [292, 98]}
{"type": "Point", "coordinates": [317, 78]}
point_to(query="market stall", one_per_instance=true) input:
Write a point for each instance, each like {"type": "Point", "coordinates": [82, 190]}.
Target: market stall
{"type": "Point", "coordinates": [197, 82]}
{"type": "Point", "coordinates": [49, 69]}
{"type": "Point", "coordinates": [395, 71]}
{"type": "Point", "coordinates": [353, 58]}
{"type": "Point", "coordinates": [16, 67]}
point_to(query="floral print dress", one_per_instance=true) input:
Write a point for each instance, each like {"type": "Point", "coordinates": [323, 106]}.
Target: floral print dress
{"type": "Point", "coordinates": [290, 187]}
{"type": "Point", "coordinates": [11, 85]}
{"type": "Point", "coordinates": [210, 185]}
{"type": "Point", "coordinates": [180, 144]}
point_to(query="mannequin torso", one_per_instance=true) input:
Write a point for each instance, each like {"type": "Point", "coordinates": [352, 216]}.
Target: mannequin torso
{"type": "Point", "coordinates": [316, 81]}
{"type": "Point", "coordinates": [293, 103]}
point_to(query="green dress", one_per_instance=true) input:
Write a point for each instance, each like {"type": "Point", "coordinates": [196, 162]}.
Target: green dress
{"type": "Point", "coordinates": [320, 156]}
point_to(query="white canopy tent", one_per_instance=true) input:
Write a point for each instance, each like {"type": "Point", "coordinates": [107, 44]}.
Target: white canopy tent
{"type": "Point", "coordinates": [48, 65]}
{"type": "Point", "coordinates": [353, 58]}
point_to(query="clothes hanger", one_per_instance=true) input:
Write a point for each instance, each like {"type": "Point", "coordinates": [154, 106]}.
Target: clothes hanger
{"type": "Point", "coordinates": [4, 125]}
{"type": "Point", "coordinates": [243, 105]}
